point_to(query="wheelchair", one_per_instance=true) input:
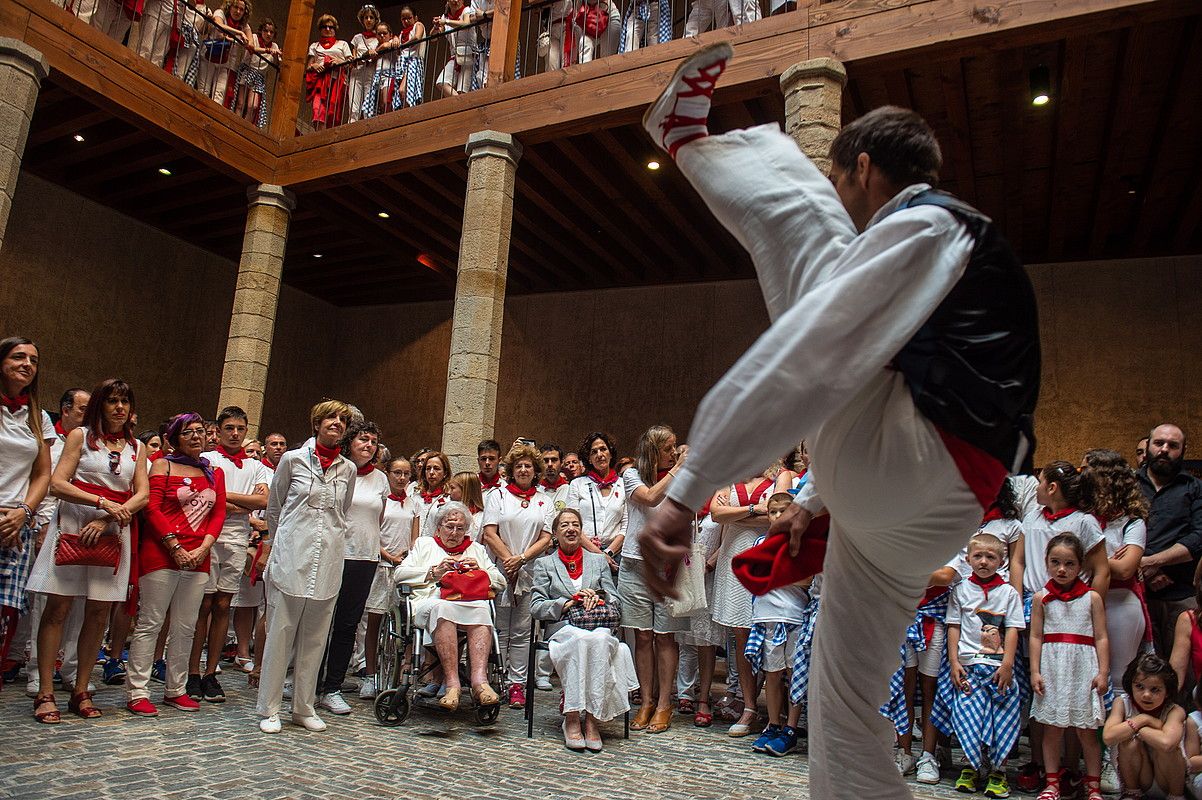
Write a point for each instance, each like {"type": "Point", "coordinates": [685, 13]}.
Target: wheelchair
{"type": "Point", "coordinates": [406, 659]}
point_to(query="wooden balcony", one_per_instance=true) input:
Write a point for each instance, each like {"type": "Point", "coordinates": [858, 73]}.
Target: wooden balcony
{"type": "Point", "coordinates": [1110, 168]}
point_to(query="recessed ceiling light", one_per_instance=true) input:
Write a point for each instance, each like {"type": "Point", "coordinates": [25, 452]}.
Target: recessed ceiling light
{"type": "Point", "coordinates": [1041, 86]}
{"type": "Point", "coordinates": [317, 255]}
{"type": "Point", "coordinates": [78, 137]}
{"type": "Point", "coordinates": [164, 171]}
{"type": "Point", "coordinates": [652, 165]}
{"type": "Point", "coordinates": [383, 215]}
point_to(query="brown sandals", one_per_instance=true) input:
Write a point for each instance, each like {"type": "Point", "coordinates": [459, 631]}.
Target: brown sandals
{"type": "Point", "coordinates": [660, 721]}
{"type": "Point", "coordinates": [76, 706]}
{"type": "Point", "coordinates": [52, 717]}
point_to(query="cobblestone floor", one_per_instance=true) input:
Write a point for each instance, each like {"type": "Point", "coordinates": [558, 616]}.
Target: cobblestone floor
{"type": "Point", "coordinates": [220, 753]}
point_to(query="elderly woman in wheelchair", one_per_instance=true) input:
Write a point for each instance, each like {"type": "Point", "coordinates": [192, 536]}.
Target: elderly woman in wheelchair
{"type": "Point", "coordinates": [452, 581]}
{"type": "Point", "coordinates": [575, 588]}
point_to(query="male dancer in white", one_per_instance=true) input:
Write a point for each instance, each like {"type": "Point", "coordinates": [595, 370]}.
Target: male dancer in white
{"type": "Point", "coordinates": [907, 357]}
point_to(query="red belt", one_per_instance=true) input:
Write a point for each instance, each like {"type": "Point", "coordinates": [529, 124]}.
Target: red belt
{"type": "Point", "coordinates": [1067, 638]}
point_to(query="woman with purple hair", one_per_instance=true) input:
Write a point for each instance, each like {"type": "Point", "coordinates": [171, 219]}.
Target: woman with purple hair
{"type": "Point", "coordinates": [183, 519]}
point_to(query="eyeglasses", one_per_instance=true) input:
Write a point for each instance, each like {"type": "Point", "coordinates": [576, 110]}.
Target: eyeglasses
{"type": "Point", "coordinates": [115, 462]}
{"type": "Point", "coordinates": [193, 432]}
{"type": "Point", "coordinates": [454, 528]}
{"type": "Point", "coordinates": [325, 27]}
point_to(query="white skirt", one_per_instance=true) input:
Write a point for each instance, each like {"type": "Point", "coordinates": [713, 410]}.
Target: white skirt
{"type": "Point", "coordinates": [596, 671]}
{"type": "Point", "coordinates": [382, 592]}
{"type": "Point", "coordinates": [429, 612]}
{"type": "Point", "coordinates": [94, 583]}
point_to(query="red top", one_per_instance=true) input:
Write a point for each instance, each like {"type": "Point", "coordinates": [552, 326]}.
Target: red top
{"type": "Point", "coordinates": [190, 507]}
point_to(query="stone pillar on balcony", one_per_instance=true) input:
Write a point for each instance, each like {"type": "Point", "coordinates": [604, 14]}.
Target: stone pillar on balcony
{"type": "Point", "coordinates": [475, 358]}
{"type": "Point", "coordinates": [813, 106]}
{"type": "Point", "coordinates": [22, 70]}
{"type": "Point", "coordinates": [252, 323]}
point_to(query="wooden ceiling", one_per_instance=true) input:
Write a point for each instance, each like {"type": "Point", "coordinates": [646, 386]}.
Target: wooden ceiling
{"type": "Point", "coordinates": [1110, 168]}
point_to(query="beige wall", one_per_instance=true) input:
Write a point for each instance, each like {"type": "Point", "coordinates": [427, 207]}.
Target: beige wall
{"type": "Point", "coordinates": [1121, 340]}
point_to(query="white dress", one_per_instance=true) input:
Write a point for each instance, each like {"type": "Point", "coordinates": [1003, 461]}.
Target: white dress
{"type": "Point", "coordinates": [95, 583]}
{"type": "Point", "coordinates": [731, 604]}
{"type": "Point", "coordinates": [596, 671]}
{"type": "Point", "coordinates": [428, 607]}
{"type": "Point", "coordinates": [1068, 700]}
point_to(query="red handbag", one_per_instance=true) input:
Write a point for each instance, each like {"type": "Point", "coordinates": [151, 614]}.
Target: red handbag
{"type": "Point", "coordinates": [473, 584]}
{"type": "Point", "coordinates": [69, 551]}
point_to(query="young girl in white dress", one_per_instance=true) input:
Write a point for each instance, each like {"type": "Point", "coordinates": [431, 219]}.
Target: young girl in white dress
{"type": "Point", "coordinates": [1070, 664]}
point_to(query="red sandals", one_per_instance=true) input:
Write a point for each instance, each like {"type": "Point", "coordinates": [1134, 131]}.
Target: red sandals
{"type": "Point", "coordinates": [46, 717]}
{"type": "Point", "coordinates": [76, 706]}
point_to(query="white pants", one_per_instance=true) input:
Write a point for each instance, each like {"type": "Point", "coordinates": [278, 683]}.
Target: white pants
{"type": "Point", "coordinates": [1125, 629]}
{"type": "Point", "coordinates": [705, 15]}
{"type": "Point", "coordinates": [154, 31]}
{"type": "Point", "coordinates": [213, 78]}
{"type": "Point", "coordinates": [358, 84]}
{"type": "Point", "coordinates": [107, 16]}
{"type": "Point", "coordinates": [898, 505]}
{"type": "Point", "coordinates": [70, 640]}
{"type": "Point", "coordinates": [159, 592]}
{"type": "Point", "coordinates": [458, 78]}
{"type": "Point", "coordinates": [293, 623]}
{"type": "Point", "coordinates": [635, 28]}
{"type": "Point", "coordinates": [513, 633]}
{"type": "Point", "coordinates": [687, 673]}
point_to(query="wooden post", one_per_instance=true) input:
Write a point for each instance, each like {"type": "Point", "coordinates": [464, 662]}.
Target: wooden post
{"type": "Point", "coordinates": [290, 85]}
{"type": "Point", "coordinates": [506, 26]}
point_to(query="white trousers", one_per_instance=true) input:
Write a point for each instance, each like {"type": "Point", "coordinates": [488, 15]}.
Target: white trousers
{"type": "Point", "coordinates": [105, 15]}
{"type": "Point", "coordinates": [358, 84]}
{"type": "Point", "coordinates": [513, 634]}
{"type": "Point", "coordinates": [635, 28]}
{"type": "Point", "coordinates": [1125, 629]}
{"type": "Point", "coordinates": [69, 646]}
{"type": "Point", "coordinates": [212, 78]}
{"type": "Point", "coordinates": [705, 15]}
{"type": "Point", "coordinates": [303, 625]}
{"type": "Point", "coordinates": [159, 592]}
{"type": "Point", "coordinates": [899, 507]}
{"type": "Point", "coordinates": [154, 31]}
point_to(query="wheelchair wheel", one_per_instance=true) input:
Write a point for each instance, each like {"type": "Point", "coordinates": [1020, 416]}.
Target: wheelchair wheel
{"type": "Point", "coordinates": [388, 651]}
{"type": "Point", "coordinates": [391, 707]}
{"type": "Point", "coordinates": [487, 715]}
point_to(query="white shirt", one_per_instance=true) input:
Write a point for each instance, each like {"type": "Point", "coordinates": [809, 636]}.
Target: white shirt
{"type": "Point", "coordinates": [604, 518]}
{"type": "Point", "coordinates": [426, 554]}
{"type": "Point", "coordinates": [636, 515]}
{"type": "Point", "coordinates": [1124, 531]}
{"type": "Point", "coordinates": [367, 506]}
{"type": "Point", "coordinates": [864, 298]}
{"type": "Point", "coordinates": [340, 49]}
{"type": "Point", "coordinates": [19, 448]}
{"type": "Point", "coordinates": [396, 529]}
{"type": "Point", "coordinates": [1008, 531]}
{"type": "Point", "coordinates": [426, 511]}
{"type": "Point", "coordinates": [518, 527]}
{"type": "Point", "coordinates": [783, 604]}
{"type": "Point", "coordinates": [236, 528]}
{"type": "Point", "coordinates": [1038, 532]}
{"type": "Point", "coordinates": [558, 497]}
{"type": "Point", "coordinates": [970, 608]}
{"type": "Point", "coordinates": [261, 61]}
{"type": "Point", "coordinates": [307, 514]}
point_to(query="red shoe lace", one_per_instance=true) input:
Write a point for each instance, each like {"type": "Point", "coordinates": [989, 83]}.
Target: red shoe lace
{"type": "Point", "coordinates": [700, 86]}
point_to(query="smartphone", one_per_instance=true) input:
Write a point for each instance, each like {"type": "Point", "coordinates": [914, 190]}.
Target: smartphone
{"type": "Point", "coordinates": [526, 441]}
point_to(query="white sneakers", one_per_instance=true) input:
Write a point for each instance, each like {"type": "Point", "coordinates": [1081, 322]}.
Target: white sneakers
{"type": "Point", "coordinates": [333, 703]}
{"type": "Point", "coordinates": [1110, 778]}
{"type": "Point", "coordinates": [680, 113]}
{"type": "Point", "coordinates": [905, 762]}
{"type": "Point", "coordinates": [369, 688]}
{"type": "Point", "coordinates": [270, 724]}
{"type": "Point", "coordinates": [543, 684]}
{"type": "Point", "coordinates": [314, 724]}
{"type": "Point", "coordinates": [928, 769]}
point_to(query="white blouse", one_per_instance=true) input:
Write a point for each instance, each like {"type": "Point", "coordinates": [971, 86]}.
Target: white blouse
{"type": "Point", "coordinates": [427, 554]}
{"type": "Point", "coordinates": [367, 506]}
{"type": "Point", "coordinates": [307, 512]}
{"type": "Point", "coordinates": [518, 527]}
{"type": "Point", "coordinates": [396, 529]}
{"type": "Point", "coordinates": [425, 512]}
{"type": "Point", "coordinates": [604, 518]}
{"type": "Point", "coordinates": [18, 450]}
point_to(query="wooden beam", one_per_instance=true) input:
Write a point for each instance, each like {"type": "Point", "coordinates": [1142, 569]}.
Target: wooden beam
{"type": "Point", "coordinates": [951, 76]}
{"type": "Point", "coordinates": [92, 151]}
{"type": "Point", "coordinates": [1073, 75]}
{"type": "Point", "coordinates": [1013, 104]}
{"type": "Point", "coordinates": [71, 122]}
{"type": "Point", "coordinates": [289, 86]}
{"type": "Point", "coordinates": [503, 54]}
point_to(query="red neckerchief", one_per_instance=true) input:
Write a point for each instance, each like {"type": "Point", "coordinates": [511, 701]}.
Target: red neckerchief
{"type": "Point", "coordinates": [368, 35]}
{"type": "Point", "coordinates": [267, 464]}
{"type": "Point", "coordinates": [602, 483]}
{"type": "Point", "coordinates": [993, 513]}
{"type": "Point", "coordinates": [1052, 516]}
{"type": "Point", "coordinates": [1078, 588]}
{"type": "Point", "coordinates": [399, 498]}
{"type": "Point", "coordinates": [753, 498]}
{"type": "Point", "coordinates": [522, 494]}
{"type": "Point", "coordinates": [992, 583]}
{"type": "Point", "coordinates": [1103, 520]}
{"type": "Point", "coordinates": [112, 437]}
{"type": "Point", "coordinates": [58, 428]}
{"type": "Point", "coordinates": [366, 469]}
{"type": "Point", "coordinates": [486, 484]}
{"type": "Point", "coordinates": [14, 404]}
{"type": "Point", "coordinates": [429, 497]}
{"type": "Point", "coordinates": [455, 15]}
{"type": "Point", "coordinates": [325, 455]}
{"type": "Point", "coordinates": [660, 474]}
{"type": "Point", "coordinates": [705, 509]}
{"type": "Point", "coordinates": [559, 481]}
{"type": "Point", "coordinates": [327, 41]}
{"type": "Point", "coordinates": [574, 563]}
{"type": "Point", "coordinates": [467, 540]}
{"type": "Point", "coordinates": [407, 31]}
{"type": "Point", "coordinates": [235, 457]}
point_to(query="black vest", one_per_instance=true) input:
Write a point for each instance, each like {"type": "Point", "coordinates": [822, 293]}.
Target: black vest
{"type": "Point", "coordinates": [973, 368]}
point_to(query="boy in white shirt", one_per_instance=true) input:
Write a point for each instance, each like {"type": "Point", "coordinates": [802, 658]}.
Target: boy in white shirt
{"type": "Point", "coordinates": [984, 618]}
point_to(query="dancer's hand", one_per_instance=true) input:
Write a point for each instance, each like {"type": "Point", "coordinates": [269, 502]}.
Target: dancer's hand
{"type": "Point", "coordinates": [793, 521]}
{"type": "Point", "coordinates": [664, 543]}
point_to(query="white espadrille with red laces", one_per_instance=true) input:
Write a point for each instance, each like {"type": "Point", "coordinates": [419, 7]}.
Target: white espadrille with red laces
{"type": "Point", "coordinates": [680, 114]}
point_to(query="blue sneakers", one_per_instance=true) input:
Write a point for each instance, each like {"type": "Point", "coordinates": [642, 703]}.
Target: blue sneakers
{"type": "Point", "coordinates": [114, 672]}
{"type": "Point", "coordinates": [771, 732]}
{"type": "Point", "coordinates": [783, 744]}
{"type": "Point", "coordinates": [158, 673]}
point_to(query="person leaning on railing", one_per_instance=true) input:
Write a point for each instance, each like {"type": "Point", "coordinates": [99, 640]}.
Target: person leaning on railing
{"type": "Point", "coordinates": [364, 47]}
{"type": "Point", "coordinates": [223, 48]}
{"type": "Point", "coordinates": [262, 53]}
{"type": "Point", "coordinates": [325, 81]}
{"type": "Point", "coordinates": [456, 75]}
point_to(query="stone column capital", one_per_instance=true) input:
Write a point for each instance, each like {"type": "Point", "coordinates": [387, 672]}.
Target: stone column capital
{"type": "Point", "coordinates": [816, 68]}
{"type": "Point", "coordinates": [18, 55]}
{"type": "Point", "coordinates": [268, 194]}
{"type": "Point", "coordinates": [494, 143]}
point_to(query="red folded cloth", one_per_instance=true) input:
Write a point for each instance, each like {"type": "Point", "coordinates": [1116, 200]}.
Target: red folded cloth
{"type": "Point", "coordinates": [769, 566]}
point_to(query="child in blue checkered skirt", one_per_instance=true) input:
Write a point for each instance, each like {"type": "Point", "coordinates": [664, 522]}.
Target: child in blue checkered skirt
{"type": "Point", "coordinates": [984, 618]}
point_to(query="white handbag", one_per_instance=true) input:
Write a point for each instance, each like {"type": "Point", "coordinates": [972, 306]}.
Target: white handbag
{"type": "Point", "coordinates": [690, 584]}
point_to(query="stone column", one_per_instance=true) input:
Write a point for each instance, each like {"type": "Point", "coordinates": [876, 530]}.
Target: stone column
{"type": "Point", "coordinates": [475, 360]}
{"type": "Point", "coordinates": [22, 70]}
{"type": "Point", "coordinates": [813, 106]}
{"type": "Point", "coordinates": [248, 352]}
